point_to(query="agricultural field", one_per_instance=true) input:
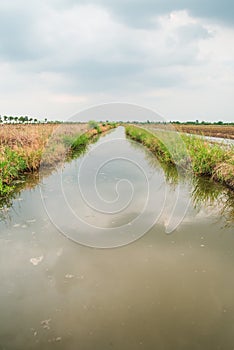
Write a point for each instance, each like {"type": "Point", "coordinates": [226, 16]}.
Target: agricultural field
{"type": "Point", "coordinates": [221, 131]}
{"type": "Point", "coordinates": [24, 147]}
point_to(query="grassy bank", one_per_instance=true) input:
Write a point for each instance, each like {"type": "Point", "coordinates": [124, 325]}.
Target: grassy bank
{"type": "Point", "coordinates": [23, 148]}
{"type": "Point", "coordinates": [189, 153]}
{"type": "Point", "coordinates": [80, 143]}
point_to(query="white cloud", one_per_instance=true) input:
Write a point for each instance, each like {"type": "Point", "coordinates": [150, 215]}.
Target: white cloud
{"type": "Point", "coordinates": [62, 59]}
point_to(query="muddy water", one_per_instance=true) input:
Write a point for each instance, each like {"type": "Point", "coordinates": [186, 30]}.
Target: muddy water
{"type": "Point", "coordinates": [163, 291]}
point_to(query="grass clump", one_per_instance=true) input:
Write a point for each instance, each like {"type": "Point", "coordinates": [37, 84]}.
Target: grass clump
{"type": "Point", "coordinates": [191, 153]}
{"type": "Point", "coordinates": [11, 166]}
{"type": "Point", "coordinates": [22, 148]}
{"type": "Point", "coordinates": [204, 155]}
{"type": "Point", "coordinates": [95, 125]}
{"type": "Point", "coordinates": [161, 146]}
{"type": "Point", "coordinates": [80, 142]}
{"type": "Point", "coordinates": [224, 172]}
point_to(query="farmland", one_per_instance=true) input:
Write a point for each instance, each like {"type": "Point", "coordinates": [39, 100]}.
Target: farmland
{"type": "Point", "coordinates": [221, 131]}
{"type": "Point", "coordinates": [24, 147]}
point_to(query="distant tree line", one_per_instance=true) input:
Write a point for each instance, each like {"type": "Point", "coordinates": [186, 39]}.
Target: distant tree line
{"type": "Point", "coordinates": [197, 122]}
{"type": "Point", "coordinates": [20, 120]}
{"type": "Point", "coordinates": [29, 120]}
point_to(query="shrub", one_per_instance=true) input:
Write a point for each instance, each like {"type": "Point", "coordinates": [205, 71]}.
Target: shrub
{"type": "Point", "coordinates": [93, 124]}
{"type": "Point", "coordinates": [80, 142]}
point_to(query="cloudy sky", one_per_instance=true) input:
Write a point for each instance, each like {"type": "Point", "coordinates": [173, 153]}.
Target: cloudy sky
{"type": "Point", "coordinates": [58, 57]}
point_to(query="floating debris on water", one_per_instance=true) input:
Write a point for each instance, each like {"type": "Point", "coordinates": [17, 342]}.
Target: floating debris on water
{"type": "Point", "coordinates": [36, 261]}
{"type": "Point", "coordinates": [46, 323]}
{"type": "Point", "coordinates": [54, 339]}
{"type": "Point", "coordinates": [59, 252]}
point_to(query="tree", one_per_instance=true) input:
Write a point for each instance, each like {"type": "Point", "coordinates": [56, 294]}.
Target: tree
{"type": "Point", "coordinates": [21, 119]}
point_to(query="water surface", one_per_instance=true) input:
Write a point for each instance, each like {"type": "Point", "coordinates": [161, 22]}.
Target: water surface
{"type": "Point", "coordinates": [163, 291]}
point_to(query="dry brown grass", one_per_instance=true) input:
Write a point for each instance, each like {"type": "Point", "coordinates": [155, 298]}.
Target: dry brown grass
{"type": "Point", "coordinates": [33, 136]}
{"type": "Point", "coordinates": [224, 172]}
{"type": "Point", "coordinates": [223, 131]}
{"type": "Point", "coordinates": [26, 148]}
{"type": "Point", "coordinates": [36, 136]}
{"type": "Point", "coordinates": [30, 141]}
{"type": "Point", "coordinates": [59, 142]}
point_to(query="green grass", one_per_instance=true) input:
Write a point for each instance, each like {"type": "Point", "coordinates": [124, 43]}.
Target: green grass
{"type": "Point", "coordinates": [13, 164]}
{"type": "Point", "coordinates": [62, 147]}
{"type": "Point", "coordinates": [164, 145]}
{"type": "Point", "coordinates": [80, 142]}
{"type": "Point", "coordinates": [11, 167]}
{"type": "Point", "coordinates": [190, 153]}
{"type": "Point", "coordinates": [204, 155]}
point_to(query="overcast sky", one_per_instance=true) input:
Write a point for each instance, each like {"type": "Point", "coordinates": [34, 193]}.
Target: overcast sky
{"type": "Point", "coordinates": [58, 57]}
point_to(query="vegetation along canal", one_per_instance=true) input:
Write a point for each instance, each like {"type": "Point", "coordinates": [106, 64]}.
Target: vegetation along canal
{"type": "Point", "coordinates": [170, 288]}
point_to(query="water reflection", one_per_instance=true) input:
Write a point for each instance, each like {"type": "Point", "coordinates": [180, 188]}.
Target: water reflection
{"type": "Point", "coordinates": [31, 180]}
{"type": "Point", "coordinates": [204, 192]}
{"type": "Point", "coordinates": [27, 182]}
{"type": "Point", "coordinates": [172, 292]}
{"type": "Point", "coordinates": [207, 193]}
